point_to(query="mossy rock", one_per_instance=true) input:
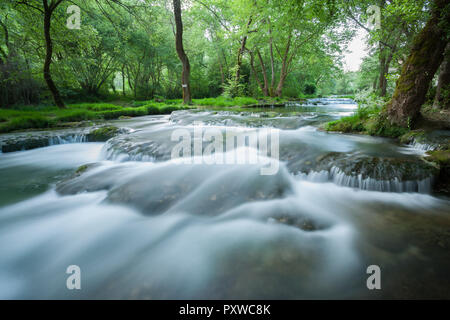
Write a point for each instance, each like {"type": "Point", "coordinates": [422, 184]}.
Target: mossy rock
{"type": "Point", "coordinates": [385, 168]}
{"type": "Point", "coordinates": [411, 136]}
{"type": "Point", "coordinates": [103, 134]}
{"type": "Point", "coordinates": [13, 145]}
{"type": "Point", "coordinates": [441, 157]}
{"type": "Point", "coordinates": [85, 167]}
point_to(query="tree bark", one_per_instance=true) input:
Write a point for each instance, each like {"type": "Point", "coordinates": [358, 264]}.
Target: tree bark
{"type": "Point", "coordinates": [441, 102]}
{"type": "Point", "coordinates": [265, 88]}
{"type": "Point", "coordinates": [241, 52]}
{"type": "Point", "coordinates": [426, 55]}
{"type": "Point", "coordinates": [284, 68]}
{"type": "Point", "coordinates": [272, 62]}
{"type": "Point", "coordinates": [385, 62]}
{"type": "Point", "coordinates": [48, 11]}
{"type": "Point", "coordinates": [123, 80]}
{"type": "Point", "coordinates": [222, 74]}
{"type": "Point", "coordinates": [185, 73]}
{"type": "Point", "coordinates": [382, 77]}
{"type": "Point", "coordinates": [252, 65]}
{"type": "Point", "coordinates": [375, 82]}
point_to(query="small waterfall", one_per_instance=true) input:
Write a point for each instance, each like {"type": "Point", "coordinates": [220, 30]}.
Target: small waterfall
{"type": "Point", "coordinates": [72, 138]}
{"type": "Point", "coordinates": [338, 177]}
{"type": "Point", "coordinates": [422, 146]}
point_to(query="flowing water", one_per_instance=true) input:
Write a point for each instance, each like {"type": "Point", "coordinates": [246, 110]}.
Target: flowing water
{"type": "Point", "coordinates": [140, 225]}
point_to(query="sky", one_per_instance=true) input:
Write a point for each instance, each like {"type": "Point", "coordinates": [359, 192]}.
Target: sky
{"type": "Point", "coordinates": [356, 51]}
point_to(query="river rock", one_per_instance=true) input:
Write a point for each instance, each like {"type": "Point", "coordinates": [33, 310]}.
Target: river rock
{"type": "Point", "coordinates": [20, 141]}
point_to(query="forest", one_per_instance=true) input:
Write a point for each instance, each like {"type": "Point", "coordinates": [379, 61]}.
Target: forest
{"type": "Point", "coordinates": [65, 52]}
{"type": "Point", "coordinates": [346, 101]}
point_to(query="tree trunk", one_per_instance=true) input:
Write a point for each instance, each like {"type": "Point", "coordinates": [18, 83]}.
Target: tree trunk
{"type": "Point", "coordinates": [222, 74]}
{"type": "Point", "coordinates": [241, 52]}
{"type": "Point", "coordinates": [385, 62]}
{"type": "Point", "coordinates": [443, 83]}
{"type": "Point", "coordinates": [185, 73]}
{"type": "Point", "coordinates": [284, 68]}
{"type": "Point", "coordinates": [426, 55]}
{"type": "Point", "coordinates": [265, 88]}
{"type": "Point", "coordinates": [252, 65]}
{"type": "Point", "coordinates": [382, 77]}
{"type": "Point", "coordinates": [48, 54]}
{"type": "Point", "coordinates": [272, 62]}
{"type": "Point", "coordinates": [374, 85]}
{"type": "Point", "coordinates": [123, 80]}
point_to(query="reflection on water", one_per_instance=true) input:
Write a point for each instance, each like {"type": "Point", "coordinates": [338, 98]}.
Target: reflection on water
{"type": "Point", "coordinates": [160, 230]}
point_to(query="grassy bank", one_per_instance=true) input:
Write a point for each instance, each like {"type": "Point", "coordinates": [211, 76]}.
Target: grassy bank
{"type": "Point", "coordinates": [39, 117]}
{"type": "Point", "coordinates": [369, 119]}
{"type": "Point", "coordinates": [45, 116]}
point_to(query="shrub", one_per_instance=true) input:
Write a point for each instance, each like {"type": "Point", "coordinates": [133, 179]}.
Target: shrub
{"type": "Point", "coordinates": [98, 107]}
{"type": "Point", "coordinates": [151, 109]}
{"type": "Point", "coordinates": [168, 109]}
{"type": "Point", "coordinates": [139, 103]}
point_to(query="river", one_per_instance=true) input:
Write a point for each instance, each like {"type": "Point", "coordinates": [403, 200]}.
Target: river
{"type": "Point", "coordinates": [140, 225]}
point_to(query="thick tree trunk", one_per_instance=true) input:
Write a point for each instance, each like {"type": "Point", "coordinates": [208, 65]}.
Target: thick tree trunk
{"type": "Point", "coordinates": [48, 55]}
{"type": "Point", "coordinates": [185, 74]}
{"type": "Point", "coordinates": [426, 55]}
{"type": "Point", "coordinates": [441, 102]}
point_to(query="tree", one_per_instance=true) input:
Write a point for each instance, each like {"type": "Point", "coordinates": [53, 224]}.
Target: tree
{"type": "Point", "coordinates": [47, 10]}
{"type": "Point", "coordinates": [442, 98]}
{"type": "Point", "coordinates": [425, 58]}
{"type": "Point", "coordinates": [400, 21]}
{"type": "Point", "coordinates": [185, 74]}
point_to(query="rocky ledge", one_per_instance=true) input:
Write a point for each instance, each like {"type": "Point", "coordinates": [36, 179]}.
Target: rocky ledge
{"type": "Point", "coordinates": [37, 139]}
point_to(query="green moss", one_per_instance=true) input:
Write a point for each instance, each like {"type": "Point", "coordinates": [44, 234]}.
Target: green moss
{"type": "Point", "coordinates": [81, 169]}
{"type": "Point", "coordinates": [441, 157]}
{"type": "Point", "coordinates": [103, 134]}
{"type": "Point", "coordinates": [346, 124]}
{"type": "Point", "coordinates": [375, 126]}
{"type": "Point", "coordinates": [411, 135]}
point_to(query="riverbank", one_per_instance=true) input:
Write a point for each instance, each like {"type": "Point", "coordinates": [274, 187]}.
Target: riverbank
{"type": "Point", "coordinates": [430, 134]}
{"type": "Point", "coordinates": [87, 114]}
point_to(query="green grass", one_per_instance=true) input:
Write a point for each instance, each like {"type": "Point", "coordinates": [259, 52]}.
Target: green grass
{"type": "Point", "coordinates": [225, 102]}
{"type": "Point", "coordinates": [48, 116]}
{"type": "Point", "coordinates": [42, 116]}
